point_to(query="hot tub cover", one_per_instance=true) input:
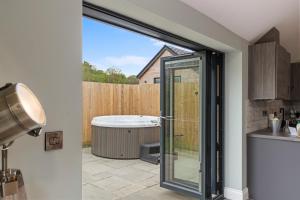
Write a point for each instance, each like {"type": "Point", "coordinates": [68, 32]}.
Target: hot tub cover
{"type": "Point", "coordinates": [126, 121]}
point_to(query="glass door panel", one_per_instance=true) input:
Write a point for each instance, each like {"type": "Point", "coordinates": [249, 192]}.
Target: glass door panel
{"type": "Point", "coordinates": [182, 129]}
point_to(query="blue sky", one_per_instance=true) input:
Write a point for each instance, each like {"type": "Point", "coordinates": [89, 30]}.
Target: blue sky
{"type": "Point", "coordinates": [107, 46]}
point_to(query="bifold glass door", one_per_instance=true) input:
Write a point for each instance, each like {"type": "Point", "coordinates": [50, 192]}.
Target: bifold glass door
{"type": "Point", "coordinates": [182, 128]}
{"type": "Point", "coordinates": [192, 124]}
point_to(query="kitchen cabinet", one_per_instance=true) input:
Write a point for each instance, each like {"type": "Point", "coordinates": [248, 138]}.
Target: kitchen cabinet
{"type": "Point", "coordinates": [295, 81]}
{"type": "Point", "coordinates": [269, 72]}
{"type": "Point", "coordinates": [273, 35]}
{"type": "Point", "coordinates": [273, 166]}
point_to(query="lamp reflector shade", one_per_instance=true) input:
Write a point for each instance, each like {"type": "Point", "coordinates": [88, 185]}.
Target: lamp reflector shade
{"type": "Point", "coordinates": [20, 113]}
{"type": "Point", "coordinates": [31, 104]}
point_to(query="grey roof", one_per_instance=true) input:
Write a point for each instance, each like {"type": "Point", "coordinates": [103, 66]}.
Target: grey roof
{"type": "Point", "coordinates": [175, 51]}
{"type": "Point", "coordinates": [178, 51]}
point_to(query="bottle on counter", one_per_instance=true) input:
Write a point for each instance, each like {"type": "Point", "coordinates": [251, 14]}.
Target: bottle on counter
{"type": "Point", "coordinates": [293, 118]}
{"type": "Point", "coordinates": [298, 129]}
{"type": "Point", "coordinates": [292, 113]}
{"type": "Point", "coordinates": [271, 117]}
{"type": "Point", "coordinates": [276, 124]}
{"type": "Point", "coordinates": [286, 127]}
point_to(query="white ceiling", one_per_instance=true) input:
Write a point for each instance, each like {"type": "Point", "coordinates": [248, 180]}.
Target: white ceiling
{"type": "Point", "coordinates": [252, 18]}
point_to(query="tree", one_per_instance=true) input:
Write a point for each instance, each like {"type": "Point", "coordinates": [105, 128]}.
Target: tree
{"type": "Point", "coordinates": [115, 75]}
{"type": "Point", "coordinates": [91, 73]}
{"type": "Point", "coordinates": [111, 75]}
{"type": "Point", "coordinates": [132, 80]}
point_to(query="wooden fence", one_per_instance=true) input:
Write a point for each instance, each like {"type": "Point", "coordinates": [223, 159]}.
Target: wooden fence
{"type": "Point", "coordinates": [117, 99]}
{"type": "Point", "coordinates": [120, 99]}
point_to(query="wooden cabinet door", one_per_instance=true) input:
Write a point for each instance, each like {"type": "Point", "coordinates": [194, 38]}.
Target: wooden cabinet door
{"type": "Point", "coordinates": [268, 54]}
{"type": "Point", "coordinates": [283, 73]}
{"type": "Point", "coordinates": [255, 73]}
{"type": "Point", "coordinates": [262, 71]}
{"type": "Point", "coordinates": [269, 72]}
{"type": "Point", "coordinates": [295, 81]}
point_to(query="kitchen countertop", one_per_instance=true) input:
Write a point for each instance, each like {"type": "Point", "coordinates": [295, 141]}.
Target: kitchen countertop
{"type": "Point", "coordinates": [268, 134]}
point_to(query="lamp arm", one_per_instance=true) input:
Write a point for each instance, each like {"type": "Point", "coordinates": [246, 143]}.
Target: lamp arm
{"type": "Point", "coordinates": [4, 156]}
{"type": "Point", "coordinates": [36, 132]}
{"type": "Point", "coordinates": [6, 86]}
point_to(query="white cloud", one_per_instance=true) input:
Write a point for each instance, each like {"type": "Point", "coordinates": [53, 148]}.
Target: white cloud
{"type": "Point", "coordinates": [120, 61]}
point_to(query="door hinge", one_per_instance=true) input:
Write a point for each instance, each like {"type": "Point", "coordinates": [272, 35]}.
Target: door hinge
{"type": "Point", "coordinates": [218, 100]}
{"type": "Point", "coordinates": [219, 147]}
{"type": "Point", "coordinates": [200, 169]}
{"type": "Point", "coordinates": [219, 186]}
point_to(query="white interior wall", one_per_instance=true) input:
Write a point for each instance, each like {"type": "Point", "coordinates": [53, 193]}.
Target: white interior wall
{"type": "Point", "coordinates": [233, 122]}
{"type": "Point", "coordinates": [40, 45]}
{"type": "Point", "coordinates": [289, 35]}
{"type": "Point", "coordinates": [197, 27]}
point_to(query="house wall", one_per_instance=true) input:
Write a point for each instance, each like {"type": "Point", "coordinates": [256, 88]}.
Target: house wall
{"type": "Point", "coordinates": [197, 27]}
{"type": "Point", "coordinates": [40, 45]}
{"type": "Point", "coordinates": [154, 70]}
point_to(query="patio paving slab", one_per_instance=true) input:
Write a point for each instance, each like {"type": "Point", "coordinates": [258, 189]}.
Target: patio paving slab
{"type": "Point", "coordinates": [108, 179]}
{"type": "Point", "coordinates": [91, 192]}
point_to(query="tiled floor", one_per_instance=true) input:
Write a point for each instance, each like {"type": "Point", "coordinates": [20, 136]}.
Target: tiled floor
{"type": "Point", "coordinates": [107, 179]}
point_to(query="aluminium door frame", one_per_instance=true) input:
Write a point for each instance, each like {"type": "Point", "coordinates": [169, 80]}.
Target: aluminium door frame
{"type": "Point", "coordinates": [203, 137]}
{"type": "Point", "coordinates": [116, 19]}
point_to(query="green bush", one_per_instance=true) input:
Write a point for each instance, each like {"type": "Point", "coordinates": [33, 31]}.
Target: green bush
{"type": "Point", "coordinates": [111, 75]}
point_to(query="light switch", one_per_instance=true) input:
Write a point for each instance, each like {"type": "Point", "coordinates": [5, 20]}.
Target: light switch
{"type": "Point", "coordinates": [53, 140]}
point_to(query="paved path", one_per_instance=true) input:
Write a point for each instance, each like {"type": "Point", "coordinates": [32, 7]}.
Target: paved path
{"type": "Point", "coordinates": [108, 179]}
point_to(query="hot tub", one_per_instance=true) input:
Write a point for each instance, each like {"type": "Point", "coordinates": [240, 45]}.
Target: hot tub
{"type": "Point", "coordinates": [120, 136]}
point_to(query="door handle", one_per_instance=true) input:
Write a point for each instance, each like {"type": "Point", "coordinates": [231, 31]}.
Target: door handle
{"type": "Point", "coordinates": [166, 117]}
{"type": "Point", "coordinates": [180, 135]}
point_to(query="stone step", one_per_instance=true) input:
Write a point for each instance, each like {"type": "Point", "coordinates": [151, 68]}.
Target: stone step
{"type": "Point", "coordinates": [150, 153]}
